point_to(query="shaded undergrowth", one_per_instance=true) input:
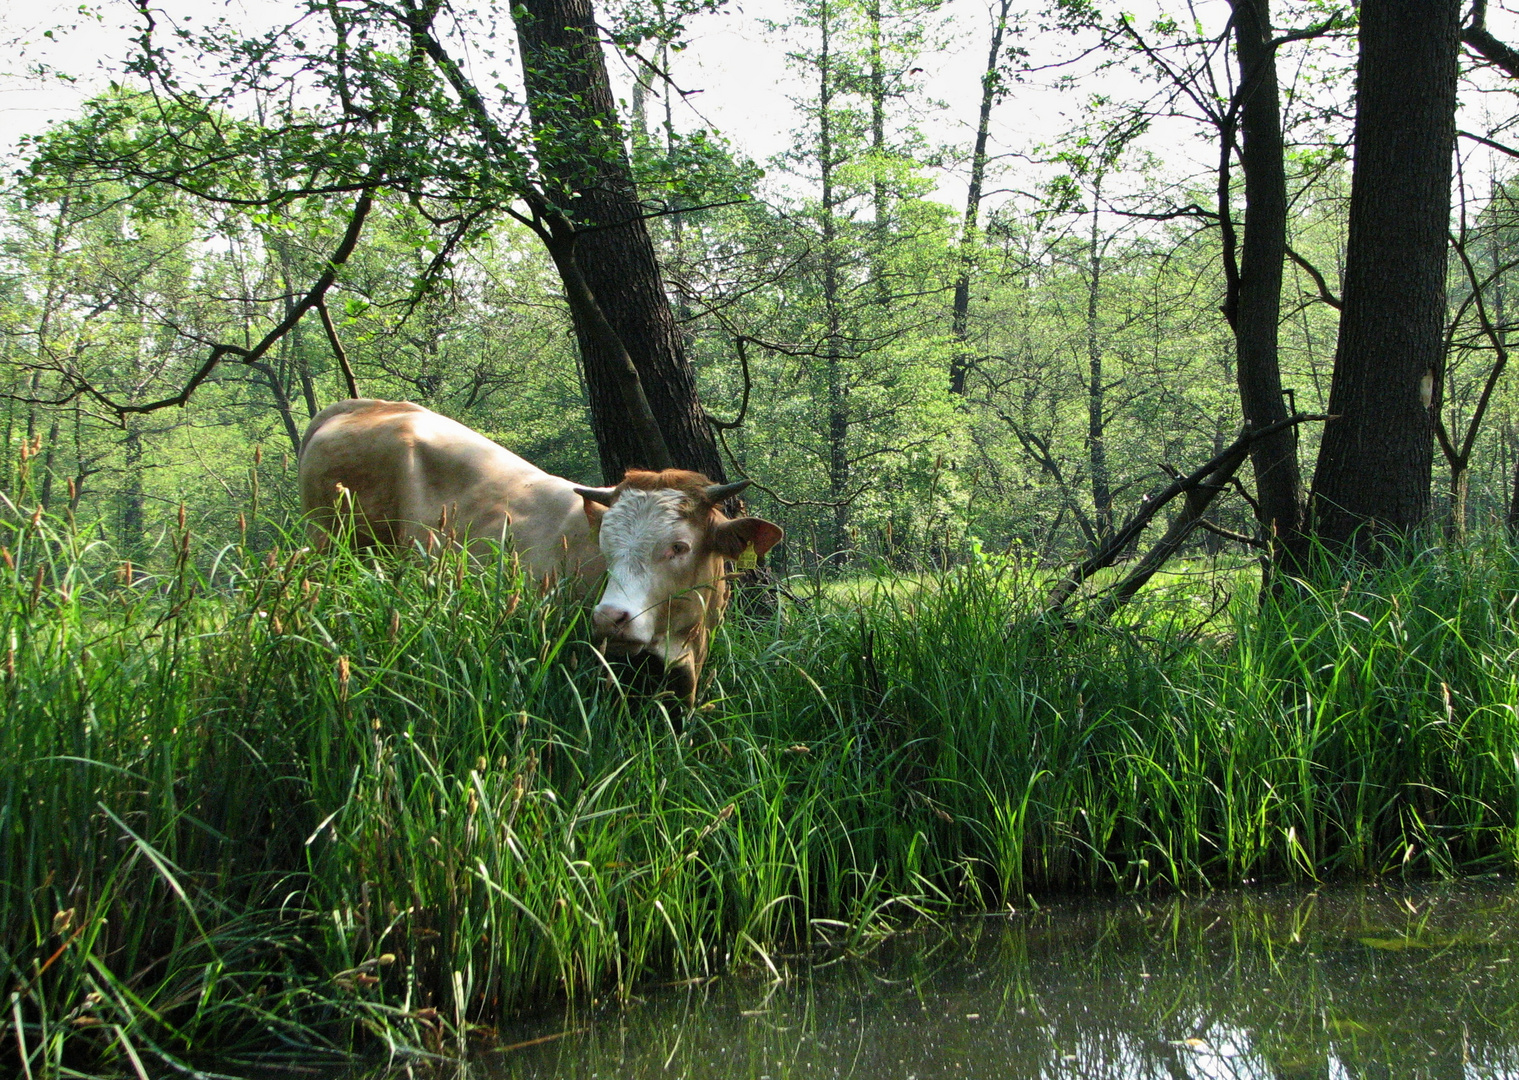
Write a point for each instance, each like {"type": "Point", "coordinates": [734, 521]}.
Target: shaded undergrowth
{"type": "Point", "coordinates": [274, 802]}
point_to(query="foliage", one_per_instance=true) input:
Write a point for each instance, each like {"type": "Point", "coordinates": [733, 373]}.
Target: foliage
{"type": "Point", "coordinates": [128, 247]}
{"type": "Point", "coordinates": [274, 798]}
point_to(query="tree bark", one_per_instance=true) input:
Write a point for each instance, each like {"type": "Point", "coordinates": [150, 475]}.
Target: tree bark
{"type": "Point", "coordinates": [1258, 296]}
{"type": "Point", "coordinates": [581, 153]}
{"type": "Point", "coordinates": [1374, 468]}
{"type": "Point", "coordinates": [622, 382]}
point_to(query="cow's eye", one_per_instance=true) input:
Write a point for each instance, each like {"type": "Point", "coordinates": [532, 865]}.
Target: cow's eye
{"type": "Point", "coordinates": [680, 547]}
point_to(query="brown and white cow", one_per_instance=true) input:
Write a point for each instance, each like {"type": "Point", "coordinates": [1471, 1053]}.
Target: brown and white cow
{"type": "Point", "coordinates": [665, 542]}
{"type": "Point", "coordinates": [414, 475]}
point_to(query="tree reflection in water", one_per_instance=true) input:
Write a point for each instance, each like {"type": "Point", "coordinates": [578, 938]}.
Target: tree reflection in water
{"type": "Point", "coordinates": [1350, 982]}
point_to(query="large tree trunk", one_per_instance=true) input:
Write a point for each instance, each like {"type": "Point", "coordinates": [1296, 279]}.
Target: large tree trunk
{"type": "Point", "coordinates": [1375, 464]}
{"type": "Point", "coordinates": [1258, 295]}
{"type": "Point", "coordinates": [581, 153]}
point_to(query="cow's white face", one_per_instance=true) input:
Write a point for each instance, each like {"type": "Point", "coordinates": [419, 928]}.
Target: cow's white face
{"type": "Point", "coordinates": [664, 542]}
{"type": "Point", "coordinates": [661, 576]}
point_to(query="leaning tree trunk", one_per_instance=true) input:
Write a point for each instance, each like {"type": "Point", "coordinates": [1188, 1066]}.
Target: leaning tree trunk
{"type": "Point", "coordinates": [1257, 299]}
{"type": "Point", "coordinates": [580, 150]}
{"type": "Point", "coordinates": [1375, 464]}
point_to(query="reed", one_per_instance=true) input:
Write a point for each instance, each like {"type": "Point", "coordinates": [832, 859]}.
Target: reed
{"type": "Point", "coordinates": [267, 802]}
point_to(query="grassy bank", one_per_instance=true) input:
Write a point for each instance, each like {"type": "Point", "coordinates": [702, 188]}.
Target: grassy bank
{"type": "Point", "coordinates": [265, 801]}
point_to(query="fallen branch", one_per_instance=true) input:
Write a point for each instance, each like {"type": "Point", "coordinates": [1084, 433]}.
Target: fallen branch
{"type": "Point", "coordinates": [1200, 486]}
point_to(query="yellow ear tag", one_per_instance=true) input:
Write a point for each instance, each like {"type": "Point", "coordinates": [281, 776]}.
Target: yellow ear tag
{"type": "Point", "coordinates": [747, 559]}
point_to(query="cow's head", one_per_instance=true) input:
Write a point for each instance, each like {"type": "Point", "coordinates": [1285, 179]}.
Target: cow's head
{"type": "Point", "coordinates": [665, 541]}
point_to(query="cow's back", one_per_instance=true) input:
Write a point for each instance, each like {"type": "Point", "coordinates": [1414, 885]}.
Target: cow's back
{"type": "Point", "coordinates": [408, 469]}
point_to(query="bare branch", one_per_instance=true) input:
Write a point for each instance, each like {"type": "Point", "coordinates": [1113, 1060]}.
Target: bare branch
{"type": "Point", "coordinates": [219, 352]}
{"type": "Point", "coordinates": [1336, 21]}
{"type": "Point", "coordinates": [1230, 534]}
{"type": "Point", "coordinates": [1509, 150]}
{"type": "Point", "coordinates": [1318, 279]}
{"type": "Point", "coordinates": [666, 212]}
{"type": "Point", "coordinates": [1190, 210]}
{"type": "Point", "coordinates": [1495, 52]}
{"type": "Point", "coordinates": [338, 351]}
{"type": "Point", "coordinates": [1498, 365]}
{"type": "Point", "coordinates": [743, 408]}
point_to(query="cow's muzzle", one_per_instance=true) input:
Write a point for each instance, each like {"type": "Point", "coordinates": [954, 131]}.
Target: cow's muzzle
{"type": "Point", "coordinates": [618, 628]}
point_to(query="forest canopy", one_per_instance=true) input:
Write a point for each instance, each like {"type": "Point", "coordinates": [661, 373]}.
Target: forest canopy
{"type": "Point", "coordinates": [922, 336]}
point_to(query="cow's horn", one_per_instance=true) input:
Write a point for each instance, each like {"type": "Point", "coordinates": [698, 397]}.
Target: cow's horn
{"type": "Point", "coordinates": [722, 492]}
{"type": "Point", "coordinates": [600, 495]}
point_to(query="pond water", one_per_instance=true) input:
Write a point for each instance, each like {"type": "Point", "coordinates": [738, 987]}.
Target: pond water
{"type": "Point", "coordinates": [1351, 982]}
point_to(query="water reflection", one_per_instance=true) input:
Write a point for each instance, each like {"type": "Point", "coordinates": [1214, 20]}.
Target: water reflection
{"type": "Point", "coordinates": [1363, 982]}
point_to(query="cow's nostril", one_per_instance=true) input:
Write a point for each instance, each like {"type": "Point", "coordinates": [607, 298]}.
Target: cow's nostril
{"type": "Point", "coordinates": [609, 618]}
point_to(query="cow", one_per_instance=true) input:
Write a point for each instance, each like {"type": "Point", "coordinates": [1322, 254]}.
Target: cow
{"type": "Point", "coordinates": [666, 541]}
{"type": "Point", "coordinates": [415, 477]}
{"type": "Point", "coordinates": [660, 537]}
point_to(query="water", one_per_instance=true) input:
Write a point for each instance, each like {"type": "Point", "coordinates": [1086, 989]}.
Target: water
{"type": "Point", "coordinates": [1358, 982]}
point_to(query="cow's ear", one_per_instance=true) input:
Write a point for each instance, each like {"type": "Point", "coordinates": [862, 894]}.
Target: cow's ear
{"type": "Point", "coordinates": [595, 510]}
{"type": "Point", "coordinates": [740, 533]}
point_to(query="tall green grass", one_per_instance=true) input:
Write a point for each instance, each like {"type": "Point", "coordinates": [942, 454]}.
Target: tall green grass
{"type": "Point", "coordinates": [264, 802]}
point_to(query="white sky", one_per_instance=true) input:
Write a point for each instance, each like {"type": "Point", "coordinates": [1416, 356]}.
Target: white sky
{"type": "Point", "coordinates": [736, 63]}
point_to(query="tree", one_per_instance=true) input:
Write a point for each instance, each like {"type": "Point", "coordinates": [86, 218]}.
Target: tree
{"type": "Point", "coordinates": [1253, 301]}
{"type": "Point", "coordinates": [584, 161]}
{"type": "Point", "coordinates": [1374, 467]}
{"type": "Point", "coordinates": [993, 88]}
{"type": "Point", "coordinates": [872, 257]}
{"type": "Point", "coordinates": [385, 109]}
{"type": "Point", "coordinates": [1243, 110]}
